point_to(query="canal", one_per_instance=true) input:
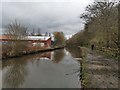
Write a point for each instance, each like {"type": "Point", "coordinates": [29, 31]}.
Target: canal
{"type": "Point", "coordinates": [56, 69]}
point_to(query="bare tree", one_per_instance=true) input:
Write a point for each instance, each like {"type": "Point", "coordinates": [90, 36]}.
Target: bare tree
{"type": "Point", "coordinates": [17, 33]}
{"type": "Point", "coordinates": [39, 32]}
{"type": "Point", "coordinates": [33, 32]}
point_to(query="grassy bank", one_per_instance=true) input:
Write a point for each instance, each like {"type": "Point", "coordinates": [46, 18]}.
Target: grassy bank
{"type": "Point", "coordinates": [84, 77]}
{"type": "Point", "coordinates": [98, 71]}
{"type": "Point", "coordinates": [32, 52]}
{"type": "Point", "coordinates": [109, 53]}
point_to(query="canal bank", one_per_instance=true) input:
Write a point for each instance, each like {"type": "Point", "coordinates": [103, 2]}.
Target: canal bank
{"type": "Point", "coordinates": [99, 71]}
{"type": "Point", "coordinates": [32, 52]}
{"type": "Point", "coordinates": [96, 69]}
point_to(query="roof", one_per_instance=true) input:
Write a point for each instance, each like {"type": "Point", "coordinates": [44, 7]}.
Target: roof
{"type": "Point", "coordinates": [3, 37]}
{"type": "Point", "coordinates": [38, 37]}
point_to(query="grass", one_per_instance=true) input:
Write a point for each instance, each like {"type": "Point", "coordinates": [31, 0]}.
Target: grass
{"type": "Point", "coordinates": [85, 74]}
{"type": "Point", "coordinates": [108, 53]}
{"type": "Point", "coordinates": [83, 69]}
{"type": "Point", "coordinates": [84, 51]}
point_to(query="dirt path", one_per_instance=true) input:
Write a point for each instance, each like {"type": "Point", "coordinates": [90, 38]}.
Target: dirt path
{"type": "Point", "coordinates": [102, 71]}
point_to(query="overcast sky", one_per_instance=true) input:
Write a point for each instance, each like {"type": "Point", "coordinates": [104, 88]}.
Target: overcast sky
{"type": "Point", "coordinates": [48, 15]}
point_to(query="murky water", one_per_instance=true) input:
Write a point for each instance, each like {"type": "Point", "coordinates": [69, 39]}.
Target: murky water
{"type": "Point", "coordinates": [57, 69]}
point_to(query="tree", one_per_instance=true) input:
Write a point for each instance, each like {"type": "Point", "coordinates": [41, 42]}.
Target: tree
{"type": "Point", "coordinates": [38, 32]}
{"type": "Point", "coordinates": [59, 38]}
{"type": "Point", "coordinates": [17, 33]}
{"type": "Point", "coordinates": [100, 14]}
{"type": "Point", "coordinates": [33, 32]}
{"type": "Point", "coordinates": [101, 26]}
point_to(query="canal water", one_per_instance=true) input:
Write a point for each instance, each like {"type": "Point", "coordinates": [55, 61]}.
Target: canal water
{"type": "Point", "coordinates": [56, 69]}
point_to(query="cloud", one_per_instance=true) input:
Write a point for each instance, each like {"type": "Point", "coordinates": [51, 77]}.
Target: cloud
{"type": "Point", "coordinates": [52, 15]}
{"type": "Point", "coordinates": [0, 18]}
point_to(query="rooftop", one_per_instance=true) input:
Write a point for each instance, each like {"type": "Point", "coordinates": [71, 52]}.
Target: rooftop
{"type": "Point", "coordinates": [38, 37]}
{"type": "Point", "coordinates": [27, 37]}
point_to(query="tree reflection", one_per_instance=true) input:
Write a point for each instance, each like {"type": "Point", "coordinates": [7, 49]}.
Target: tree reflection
{"type": "Point", "coordinates": [58, 55]}
{"type": "Point", "coordinates": [0, 64]}
{"type": "Point", "coordinates": [15, 75]}
{"type": "Point", "coordinates": [75, 51]}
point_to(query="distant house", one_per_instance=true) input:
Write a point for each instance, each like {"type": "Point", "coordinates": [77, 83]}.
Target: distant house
{"type": "Point", "coordinates": [34, 43]}
{"type": "Point", "coordinates": [4, 38]}
{"type": "Point", "coordinates": [43, 41]}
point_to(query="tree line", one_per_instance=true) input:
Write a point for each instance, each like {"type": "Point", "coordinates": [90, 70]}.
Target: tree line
{"type": "Point", "coordinates": [100, 26]}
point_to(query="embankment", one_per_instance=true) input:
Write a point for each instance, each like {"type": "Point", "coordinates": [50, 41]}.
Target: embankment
{"type": "Point", "coordinates": [32, 52]}
{"type": "Point", "coordinates": [98, 71]}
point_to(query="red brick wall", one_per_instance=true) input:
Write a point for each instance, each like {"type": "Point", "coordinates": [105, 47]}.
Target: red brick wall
{"type": "Point", "coordinates": [49, 42]}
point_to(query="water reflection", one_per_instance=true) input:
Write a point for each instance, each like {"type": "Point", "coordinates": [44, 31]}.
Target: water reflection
{"type": "Point", "coordinates": [58, 55]}
{"type": "Point", "coordinates": [74, 51]}
{"type": "Point", "coordinates": [15, 75]}
{"type": "Point", "coordinates": [30, 58]}
{"type": "Point", "coordinates": [77, 53]}
{"type": "Point", "coordinates": [16, 72]}
{"type": "Point", "coordinates": [38, 70]}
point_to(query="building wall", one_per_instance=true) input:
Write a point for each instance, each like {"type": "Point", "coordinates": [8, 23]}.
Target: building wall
{"type": "Point", "coordinates": [42, 44]}
{"type": "Point", "coordinates": [48, 42]}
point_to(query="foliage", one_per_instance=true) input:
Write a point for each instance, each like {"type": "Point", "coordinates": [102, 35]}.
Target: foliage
{"type": "Point", "coordinates": [59, 38]}
{"type": "Point", "coordinates": [101, 26]}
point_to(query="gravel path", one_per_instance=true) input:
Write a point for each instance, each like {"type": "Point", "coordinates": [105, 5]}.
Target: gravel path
{"type": "Point", "coordinates": [102, 71]}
